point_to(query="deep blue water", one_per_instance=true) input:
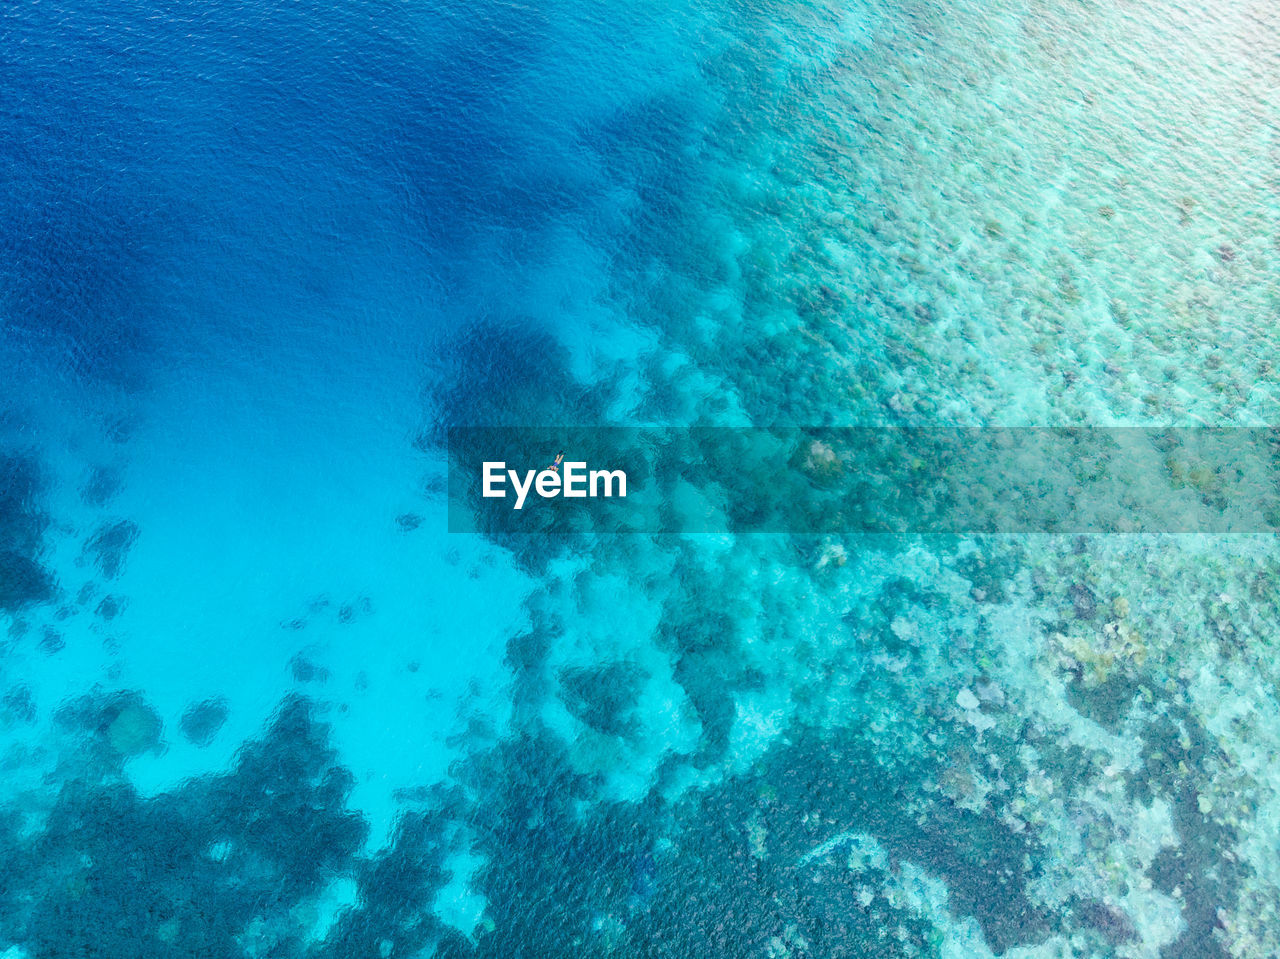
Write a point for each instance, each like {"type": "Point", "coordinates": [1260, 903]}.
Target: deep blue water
{"type": "Point", "coordinates": [256, 257]}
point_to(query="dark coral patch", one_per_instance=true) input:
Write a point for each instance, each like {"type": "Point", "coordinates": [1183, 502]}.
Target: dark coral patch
{"type": "Point", "coordinates": [108, 608]}
{"type": "Point", "coordinates": [1179, 753]}
{"type": "Point", "coordinates": [194, 871]}
{"type": "Point", "coordinates": [18, 705]}
{"type": "Point", "coordinates": [120, 724]}
{"type": "Point", "coordinates": [603, 696]}
{"type": "Point", "coordinates": [51, 641]}
{"type": "Point", "coordinates": [201, 721]}
{"type": "Point", "coordinates": [305, 671]}
{"type": "Point", "coordinates": [110, 545]}
{"type": "Point", "coordinates": [23, 580]}
{"type": "Point", "coordinates": [101, 486]}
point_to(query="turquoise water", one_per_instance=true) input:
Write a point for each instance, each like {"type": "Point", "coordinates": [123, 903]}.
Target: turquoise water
{"type": "Point", "coordinates": [258, 257]}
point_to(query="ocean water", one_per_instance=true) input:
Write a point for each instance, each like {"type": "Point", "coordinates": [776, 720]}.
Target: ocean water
{"type": "Point", "coordinates": [256, 700]}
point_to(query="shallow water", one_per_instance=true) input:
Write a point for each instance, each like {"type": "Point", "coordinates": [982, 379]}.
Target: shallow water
{"type": "Point", "coordinates": [256, 700]}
